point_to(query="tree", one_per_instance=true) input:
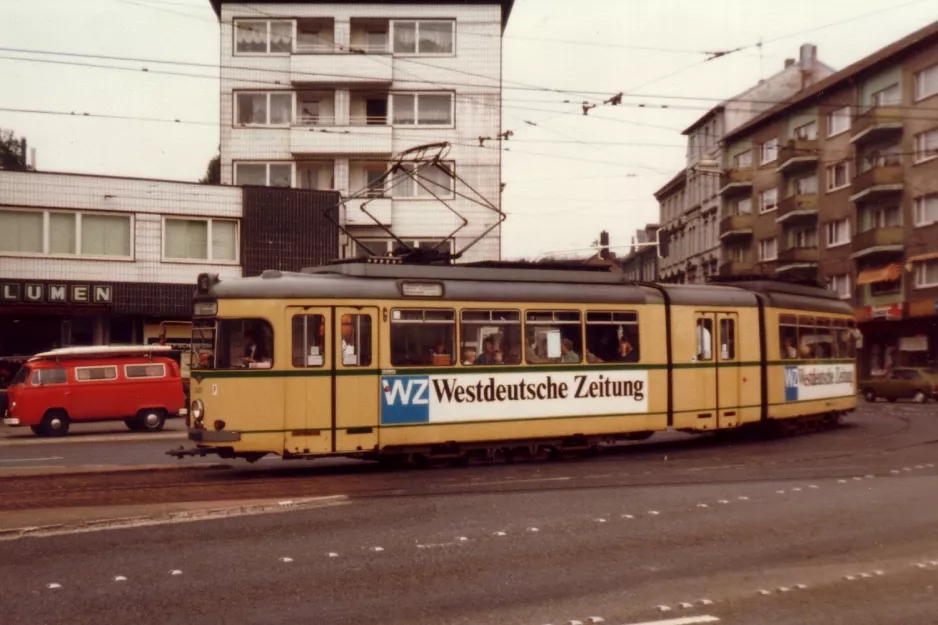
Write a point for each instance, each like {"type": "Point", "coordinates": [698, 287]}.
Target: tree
{"type": "Point", "coordinates": [213, 171]}
{"type": "Point", "coordinates": [12, 155]}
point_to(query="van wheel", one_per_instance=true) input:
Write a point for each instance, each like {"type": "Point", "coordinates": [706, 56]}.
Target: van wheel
{"type": "Point", "coordinates": [134, 424]}
{"type": "Point", "coordinates": [151, 419]}
{"type": "Point", "coordinates": [54, 423]}
{"type": "Point", "coordinates": [36, 430]}
{"type": "Point", "coordinates": [920, 397]}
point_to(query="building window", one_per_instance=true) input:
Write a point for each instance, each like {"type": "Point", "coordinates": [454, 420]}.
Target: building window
{"type": "Point", "coordinates": [887, 97]}
{"type": "Point", "coordinates": [425, 182]}
{"type": "Point", "coordinates": [883, 156]}
{"type": "Point", "coordinates": [926, 209]}
{"type": "Point", "coordinates": [886, 288]}
{"type": "Point", "coordinates": [742, 160]}
{"type": "Point", "coordinates": [742, 207]}
{"type": "Point", "coordinates": [838, 176]}
{"type": "Point", "coordinates": [422, 109]}
{"type": "Point", "coordinates": [806, 132]}
{"type": "Point", "coordinates": [737, 254]}
{"type": "Point", "coordinates": [806, 185]}
{"type": "Point", "coordinates": [838, 121]}
{"type": "Point", "coordinates": [200, 239]}
{"type": "Point", "coordinates": [884, 217]}
{"type": "Point", "coordinates": [769, 151]}
{"type": "Point", "coordinates": [926, 146]}
{"type": "Point", "coordinates": [263, 109]}
{"type": "Point", "coordinates": [804, 238]}
{"type": "Point", "coordinates": [926, 274]}
{"type": "Point", "coordinates": [838, 232]}
{"type": "Point", "coordinates": [768, 200]}
{"type": "Point", "coordinates": [263, 36]}
{"type": "Point", "coordinates": [926, 82]}
{"type": "Point", "coordinates": [57, 233]}
{"type": "Point", "coordinates": [840, 285]}
{"type": "Point", "coordinates": [424, 37]}
{"type": "Point", "coordinates": [768, 249]}
{"type": "Point", "coordinates": [264, 174]}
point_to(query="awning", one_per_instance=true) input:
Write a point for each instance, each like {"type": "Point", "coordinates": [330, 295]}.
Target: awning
{"type": "Point", "coordinates": [889, 273]}
{"type": "Point", "coordinates": [923, 257]}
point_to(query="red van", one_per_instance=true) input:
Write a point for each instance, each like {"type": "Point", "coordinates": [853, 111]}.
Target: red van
{"type": "Point", "coordinates": [83, 384]}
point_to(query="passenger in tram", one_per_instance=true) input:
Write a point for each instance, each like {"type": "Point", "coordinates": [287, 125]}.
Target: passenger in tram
{"type": "Point", "coordinates": [627, 352]}
{"type": "Point", "coordinates": [253, 352]}
{"type": "Point", "coordinates": [566, 352]}
{"type": "Point", "coordinates": [487, 357]}
{"type": "Point", "coordinates": [788, 350]}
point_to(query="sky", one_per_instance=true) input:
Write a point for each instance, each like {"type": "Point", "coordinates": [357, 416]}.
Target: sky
{"type": "Point", "coordinates": [568, 176]}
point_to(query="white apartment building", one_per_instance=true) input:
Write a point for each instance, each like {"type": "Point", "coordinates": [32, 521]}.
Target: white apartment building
{"type": "Point", "coordinates": [690, 211]}
{"type": "Point", "coordinates": [320, 95]}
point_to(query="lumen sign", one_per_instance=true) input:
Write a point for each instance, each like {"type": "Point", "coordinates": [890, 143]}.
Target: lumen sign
{"type": "Point", "coordinates": [32, 293]}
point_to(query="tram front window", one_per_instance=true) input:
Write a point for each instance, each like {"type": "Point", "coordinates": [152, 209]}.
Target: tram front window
{"type": "Point", "coordinates": [232, 344]}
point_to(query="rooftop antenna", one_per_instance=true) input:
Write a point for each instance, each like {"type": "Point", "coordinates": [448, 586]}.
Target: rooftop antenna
{"type": "Point", "coordinates": [416, 164]}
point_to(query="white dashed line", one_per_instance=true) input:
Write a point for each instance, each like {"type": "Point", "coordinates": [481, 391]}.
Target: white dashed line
{"type": "Point", "coordinates": [627, 516]}
{"type": "Point", "coordinates": [814, 486]}
{"type": "Point", "coordinates": [857, 479]}
{"type": "Point", "coordinates": [653, 512]}
{"type": "Point", "coordinates": [723, 501]}
{"type": "Point", "coordinates": [175, 572]}
{"type": "Point", "coordinates": [702, 505]}
{"type": "Point", "coordinates": [878, 573]}
{"type": "Point", "coordinates": [841, 481]}
{"type": "Point", "coordinates": [894, 472]}
{"type": "Point", "coordinates": [930, 466]}
{"type": "Point", "coordinates": [743, 498]}
{"type": "Point", "coordinates": [663, 608]}
{"type": "Point", "coordinates": [780, 492]}
{"type": "Point", "coordinates": [533, 529]}
{"type": "Point", "coordinates": [687, 620]}
{"type": "Point", "coordinates": [686, 606]}
{"type": "Point", "coordinates": [574, 622]}
{"type": "Point", "coordinates": [120, 578]}
{"type": "Point", "coordinates": [906, 468]}
{"type": "Point", "coordinates": [287, 560]}
{"type": "Point", "coordinates": [376, 549]}
{"type": "Point", "coordinates": [921, 565]}
{"type": "Point", "coordinates": [596, 619]}
{"type": "Point", "coordinates": [764, 592]}
{"type": "Point", "coordinates": [800, 586]}
{"type": "Point", "coordinates": [919, 466]}
{"type": "Point", "coordinates": [784, 589]}
{"type": "Point", "coordinates": [53, 586]}
{"type": "Point", "coordinates": [705, 602]}
{"type": "Point", "coordinates": [500, 534]}
{"type": "Point", "coordinates": [461, 539]}
{"type": "Point", "coordinates": [796, 490]}
{"type": "Point", "coordinates": [849, 578]}
{"type": "Point", "coordinates": [600, 520]}
{"type": "Point", "coordinates": [333, 554]}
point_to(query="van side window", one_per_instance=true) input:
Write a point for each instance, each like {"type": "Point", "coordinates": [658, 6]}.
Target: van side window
{"type": "Point", "coordinates": [48, 376]}
{"type": "Point", "coordinates": [149, 370]}
{"type": "Point", "coordinates": [490, 337]}
{"type": "Point", "coordinates": [422, 337]}
{"type": "Point", "coordinates": [612, 337]}
{"type": "Point", "coordinates": [553, 337]}
{"type": "Point", "coordinates": [92, 374]}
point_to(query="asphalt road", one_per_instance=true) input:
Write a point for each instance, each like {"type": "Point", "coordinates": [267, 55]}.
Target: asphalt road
{"type": "Point", "coordinates": [837, 527]}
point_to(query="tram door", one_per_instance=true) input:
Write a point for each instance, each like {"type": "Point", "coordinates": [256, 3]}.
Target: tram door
{"type": "Point", "coordinates": [706, 371]}
{"type": "Point", "coordinates": [728, 371]}
{"type": "Point", "coordinates": [356, 378]}
{"type": "Point", "coordinates": [307, 410]}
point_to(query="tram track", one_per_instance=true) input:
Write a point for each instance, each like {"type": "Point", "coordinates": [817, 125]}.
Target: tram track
{"type": "Point", "coordinates": [658, 468]}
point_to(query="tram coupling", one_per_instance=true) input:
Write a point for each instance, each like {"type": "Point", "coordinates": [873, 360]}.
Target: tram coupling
{"type": "Point", "coordinates": [181, 452]}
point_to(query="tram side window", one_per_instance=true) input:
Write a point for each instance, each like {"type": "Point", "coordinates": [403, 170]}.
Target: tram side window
{"type": "Point", "coordinates": [241, 344]}
{"type": "Point", "coordinates": [844, 339]}
{"type": "Point", "coordinates": [824, 339]}
{"type": "Point", "coordinates": [704, 339]}
{"type": "Point", "coordinates": [422, 338]}
{"type": "Point", "coordinates": [356, 340]}
{"type": "Point", "coordinates": [553, 337]}
{"type": "Point", "coordinates": [308, 342]}
{"type": "Point", "coordinates": [611, 337]}
{"type": "Point", "coordinates": [490, 337]}
{"type": "Point", "coordinates": [788, 336]}
{"type": "Point", "coordinates": [727, 339]}
{"type": "Point", "coordinates": [806, 338]}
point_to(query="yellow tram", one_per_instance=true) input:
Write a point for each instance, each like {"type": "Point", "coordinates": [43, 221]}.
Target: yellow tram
{"type": "Point", "coordinates": [380, 359]}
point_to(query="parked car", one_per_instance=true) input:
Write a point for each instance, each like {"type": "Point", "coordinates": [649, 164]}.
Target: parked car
{"type": "Point", "coordinates": [916, 383]}
{"type": "Point", "coordinates": [139, 385]}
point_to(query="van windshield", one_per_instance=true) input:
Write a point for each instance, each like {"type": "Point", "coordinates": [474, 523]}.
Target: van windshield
{"type": "Point", "coordinates": [232, 344]}
{"type": "Point", "coordinates": [21, 376]}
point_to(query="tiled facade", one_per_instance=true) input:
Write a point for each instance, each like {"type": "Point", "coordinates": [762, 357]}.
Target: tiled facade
{"type": "Point", "coordinates": [321, 95]}
{"type": "Point", "coordinates": [690, 213]}
{"type": "Point", "coordinates": [848, 196]}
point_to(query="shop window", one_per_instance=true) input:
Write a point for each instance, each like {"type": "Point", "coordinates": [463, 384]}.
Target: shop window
{"type": "Point", "coordinates": [612, 337]}
{"type": "Point", "coordinates": [422, 337]}
{"type": "Point", "coordinates": [553, 337]}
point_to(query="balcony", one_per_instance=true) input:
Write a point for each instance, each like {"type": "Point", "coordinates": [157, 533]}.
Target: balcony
{"type": "Point", "coordinates": [878, 240]}
{"type": "Point", "coordinates": [877, 181]}
{"type": "Point", "coordinates": [735, 181]}
{"type": "Point", "coordinates": [798, 155]}
{"type": "Point", "coordinates": [379, 207]}
{"type": "Point", "coordinates": [877, 123]}
{"type": "Point", "coordinates": [738, 268]}
{"type": "Point", "coordinates": [797, 255]}
{"type": "Point", "coordinates": [341, 68]}
{"type": "Point", "coordinates": [735, 226]}
{"type": "Point", "coordinates": [324, 140]}
{"type": "Point", "coordinates": [803, 206]}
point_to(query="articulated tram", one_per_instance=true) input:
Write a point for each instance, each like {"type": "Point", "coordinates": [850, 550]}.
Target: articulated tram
{"type": "Point", "coordinates": [385, 360]}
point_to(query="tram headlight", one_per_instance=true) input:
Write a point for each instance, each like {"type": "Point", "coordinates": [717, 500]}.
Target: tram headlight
{"type": "Point", "coordinates": [197, 410]}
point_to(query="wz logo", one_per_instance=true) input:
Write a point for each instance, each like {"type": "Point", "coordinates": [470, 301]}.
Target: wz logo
{"type": "Point", "coordinates": [405, 399]}
{"type": "Point", "coordinates": [791, 383]}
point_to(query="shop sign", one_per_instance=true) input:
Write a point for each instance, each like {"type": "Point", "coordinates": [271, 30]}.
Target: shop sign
{"type": "Point", "coordinates": [32, 293]}
{"type": "Point", "coordinates": [889, 311]}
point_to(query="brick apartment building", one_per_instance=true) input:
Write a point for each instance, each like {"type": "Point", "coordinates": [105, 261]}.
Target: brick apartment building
{"type": "Point", "coordinates": [840, 184]}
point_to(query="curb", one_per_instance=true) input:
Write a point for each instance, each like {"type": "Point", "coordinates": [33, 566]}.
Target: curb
{"type": "Point", "coordinates": [43, 472]}
{"type": "Point", "coordinates": [183, 516]}
{"type": "Point", "coordinates": [128, 437]}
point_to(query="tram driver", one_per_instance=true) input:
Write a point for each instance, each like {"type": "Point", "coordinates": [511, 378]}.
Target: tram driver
{"type": "Point", "coordinates": [254, 353]}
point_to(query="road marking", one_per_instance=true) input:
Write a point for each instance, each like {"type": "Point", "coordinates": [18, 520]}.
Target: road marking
{"type": "Point", "coordinates": [542, 479]}
{"type": "Point", "coordinates": [333, 554]}
{"type": "Point", "coordinates": [461, 539]}
{"type": "Point", "coordinates": [175, 572]}
{"type": "Point", "coordinates": [600, 520]}
{"type": "Point", "coordinates": [34, 459]}
{"type": "Point", "coordinates": [686, 606]}
{"type": "Point", "coordinates": [894, 472]}
{"type": "Point", "coordinates": [814, 486]}
{"type": "Point", "coordinates": [687, 620]}
{"type": "Point", "coordinates": [653, 512]}
{"type": "Point", "coordinates": [764, 592]}
{"type": "Point", "coordinates": [120, 578]}
{"type": "Point", "coordinates": [377, 549]}
{"type": "Point", "coordinates": [501, 534]}
{"type": "Point", "coordinates": [53, 586]}
{"type": "Point", "coordinates": [723, 501]}
{"type": "Point", "coordinates": [796, 490]}
{"type": "Point", "coordinates": [743, 498]}
{"type": "Point", "coordinates": [286, 560]}
{"type": "Point", "coordinates": [663, 608]}
{"type": "Point", "coordinates": [533, 529]}
{"type": "Point", "coordinates": [844, 481]}
{"type": "Point", "coordinates": [627, 516]}
{"type": "Point", "coordinates": [702, 505]}
{"type": "Point", "coordinates": [705, 602]}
